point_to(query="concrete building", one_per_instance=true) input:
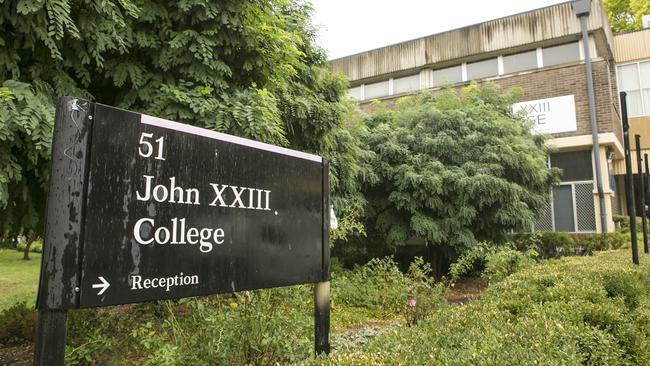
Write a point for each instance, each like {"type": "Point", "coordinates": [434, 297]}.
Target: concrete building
{"type": "Point", "coordinates": [542, 52]}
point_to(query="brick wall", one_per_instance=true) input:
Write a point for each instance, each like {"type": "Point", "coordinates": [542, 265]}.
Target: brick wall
{"type": "Point", "coordinates": [567, 80]}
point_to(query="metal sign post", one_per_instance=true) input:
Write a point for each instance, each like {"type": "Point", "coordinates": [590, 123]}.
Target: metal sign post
{"type": "Point", "coordinates": [639, 166]}
{"type": "Point", "coordinates": [141, 209]}
{"type": "Point", "coordinates": [645, 175]}
{"type": "Point", "coordinates": [629, 180]}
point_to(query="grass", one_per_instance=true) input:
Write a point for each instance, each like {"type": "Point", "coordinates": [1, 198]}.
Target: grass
{"type": "Point", "coordinates": [18, 278]}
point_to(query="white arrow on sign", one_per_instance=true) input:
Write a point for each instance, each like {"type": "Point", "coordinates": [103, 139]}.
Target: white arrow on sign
{"type": "Point", "coordinates": [104, 285]}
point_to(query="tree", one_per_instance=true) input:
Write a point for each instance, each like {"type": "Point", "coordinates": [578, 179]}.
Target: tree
{"type": "Point", "coordinates": [248, 68]}
{"type": "Point", "coordinates": [625, 15]}
{"type": "Point", "coordinates": [455, 167]}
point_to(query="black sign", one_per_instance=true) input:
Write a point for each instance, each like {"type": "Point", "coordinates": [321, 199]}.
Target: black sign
{"type": "Point", "coordinates": [167, 210]}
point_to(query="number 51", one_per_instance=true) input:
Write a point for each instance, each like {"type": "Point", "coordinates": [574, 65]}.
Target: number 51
{"type": "Point", "coordinates": [146, 149]}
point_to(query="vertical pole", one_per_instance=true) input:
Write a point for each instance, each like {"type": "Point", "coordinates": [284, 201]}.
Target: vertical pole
{"type": "Point", "coordinates": [647, 183]}
{"type": "Point", "coordinates": [322, 288]}
{"type": "Point", "coordinates": [58, 288]}
{"type": "Point", "coordinates": [629, 181]}
{"type": "Point", "coordinates": [50, 337]}
{"type": "Point", "coordinates": [322, 317]}
{"type": "Point", "coordinates": [592, 114]}
{"type": "Point", "coordinates": [639, 166]}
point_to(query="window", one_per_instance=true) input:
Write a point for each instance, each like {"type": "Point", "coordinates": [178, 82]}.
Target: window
{"type": "Point", "coordinates": [449, 75]}
{"type": "Point", "coordinates": [406, 84]}
{"type": "Point", "coordinates": [562, 54]}
{"type": "Point", "coordinates": [572, 207]}
{"type": "Point", "coordinates": [520, 62]}
{"type": "Point", "coordinates": [376, 90]}
{"type": "Point", "coordinates": [482, 69]}
{"type": "Point", "coordinates": [355, 93]}
{"type": "Point", "coordinates": [575, 165]}
{"type": "Point", "coordinates": [634, 79]}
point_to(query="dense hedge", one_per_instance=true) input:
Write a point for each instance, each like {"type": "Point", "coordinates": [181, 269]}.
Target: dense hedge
{"type": "Point", "coordinates": [556, 244]}
{"type": "Point", "coordinates": [623, 223]}
{"type": "Point", "coordinates": [572, 311]}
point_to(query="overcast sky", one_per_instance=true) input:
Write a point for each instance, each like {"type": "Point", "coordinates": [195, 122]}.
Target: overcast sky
{"type": "Point", "coordinates": [353, 26]}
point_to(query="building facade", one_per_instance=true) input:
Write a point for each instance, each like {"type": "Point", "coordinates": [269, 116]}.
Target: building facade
{"type": "Point", "coordinates": [542, 52]}
{"type": "Point", "coordinates": [632, 57]}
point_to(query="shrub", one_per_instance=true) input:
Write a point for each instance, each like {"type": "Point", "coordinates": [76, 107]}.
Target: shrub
{"type": "Point", "coordinates": [492, 262]}
{"type": "Point", "coordinates": [623, 223]}
{"type": "Point", "coordinates": [36, 247]}
{"type": "Point", "coordinates": [570, 311]}
{"type": "Point", "coordinates": [558, 244]}
{"type": "Point", "coordinates": [504, 262]}
{"type": "Point", "coordinates": [17, 324]}
{"type": "Point", "coordinates": [380, 284]}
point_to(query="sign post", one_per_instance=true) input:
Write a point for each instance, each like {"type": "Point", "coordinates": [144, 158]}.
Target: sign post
{"type": "Point", "coordinates": [141, 209]}
{"type": "Point", "coordinates": [639, 165]}
{"type": "Point", "coordinates": [629, 180]}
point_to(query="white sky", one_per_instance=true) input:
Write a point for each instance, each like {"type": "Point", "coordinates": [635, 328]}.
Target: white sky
{"type": "Point", "coordinates": [353, 26]}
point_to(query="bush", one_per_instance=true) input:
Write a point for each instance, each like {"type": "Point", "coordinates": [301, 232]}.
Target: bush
{"type": "Point", "coordinates": [571, 311]}
{"type": "Point", "coordinates": [380, 284]}
{"type": "Point", "coordinates": [623, 223]}
{"type": "Point", "coordinates": [558, 244]}
{"type": "Point", "coordinates": [264, 327]}
{"type": "Point", "coordinates": [36, 247]}
{"type": "Point", "coordinates": [17, 324]}
{"type": "Point", "coordinates": [492, 262]}
{"type": "Point", "coordinates": [506, 261]}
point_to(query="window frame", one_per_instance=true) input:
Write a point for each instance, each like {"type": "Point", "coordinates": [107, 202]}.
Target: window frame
{"type": "Point", "coordinates": [644, 111]}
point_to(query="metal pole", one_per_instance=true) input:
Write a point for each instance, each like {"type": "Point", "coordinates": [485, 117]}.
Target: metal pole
{"type": "Point", "coordinates": [629, 181]}
{"type": "Point", "coordinates": [58, 288]}
{"type": "Point", "coordinates": [594, 123]}
{"type": "Point", "coordinates": [645, 175]}
{"type": "Point", "coordinates": [322, 317]}
{"type": "Point", "coordinates": [582, 8]}
{"type": "Point", "coordinates": [50, 337]}
{"type": "Point", "coordinates": [637, 140]}
{"type": "Point", "coordinates": [322, 288]}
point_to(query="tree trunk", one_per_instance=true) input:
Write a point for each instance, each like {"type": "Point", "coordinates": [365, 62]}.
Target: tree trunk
{"type": "Point", "coordinates": [29, 239]}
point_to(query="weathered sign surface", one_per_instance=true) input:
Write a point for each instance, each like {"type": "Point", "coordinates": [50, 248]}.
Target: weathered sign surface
{"type": "Point", "coordinates": [169, 210]}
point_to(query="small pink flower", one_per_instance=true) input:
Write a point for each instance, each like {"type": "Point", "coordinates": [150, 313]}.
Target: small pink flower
{"type": "Point", "coordinates": [411, 303]}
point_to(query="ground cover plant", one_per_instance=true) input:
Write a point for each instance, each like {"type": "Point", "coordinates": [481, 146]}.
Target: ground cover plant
{"type": "Point", "coordinates": [571, 311]}
{"type": "Point", "coordinates": [253, 327]}
{"type": "Point", "coordinates": [18, 278]}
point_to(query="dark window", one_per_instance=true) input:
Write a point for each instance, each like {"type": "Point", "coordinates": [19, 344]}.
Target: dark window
{"type": "Point", "coordinates": [563, 208]}
{"type": "Point", "coordinates": [575, 165]}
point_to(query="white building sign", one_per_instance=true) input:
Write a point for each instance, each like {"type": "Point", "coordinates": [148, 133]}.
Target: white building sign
{"type": "Point", "coordinates": [551, 115]}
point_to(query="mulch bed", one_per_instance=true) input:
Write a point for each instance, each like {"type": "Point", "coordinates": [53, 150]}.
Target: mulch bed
{"type": "Point", "coordinates": [21, 354]}
{"type": "Point", "coordinates": [466, 289]}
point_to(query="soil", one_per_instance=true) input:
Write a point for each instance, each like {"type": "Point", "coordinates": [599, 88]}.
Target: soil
{"type": "Point", "coordinates": [18, 355]}
{"type": "Point", "coordinates": [466, 289]}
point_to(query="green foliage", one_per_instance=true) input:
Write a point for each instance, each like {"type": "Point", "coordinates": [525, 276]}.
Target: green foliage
{"type": "Point", "coordinates": [492, 262]}
{"type": "Point", "coordinates": [252, 327]}
{"type": "Point", "coordinates": [455, 168]}
{"type": "Point", "coordinates": [26, 120]}
{"type": "Point", "coordinates": [625, 15]}
{"type": "Point", "coordinates": [17, 323]}
{"type": "Point", "coordinates": [623, 223]}
{"type": "Point", "coordinates": [557, 244]}
{"type": "Point", "coordinates": [571, 311]}
{"type": "Point", "coordinates": [35, 247]}
{"type": "Point", "coordinates": [249, 68]}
